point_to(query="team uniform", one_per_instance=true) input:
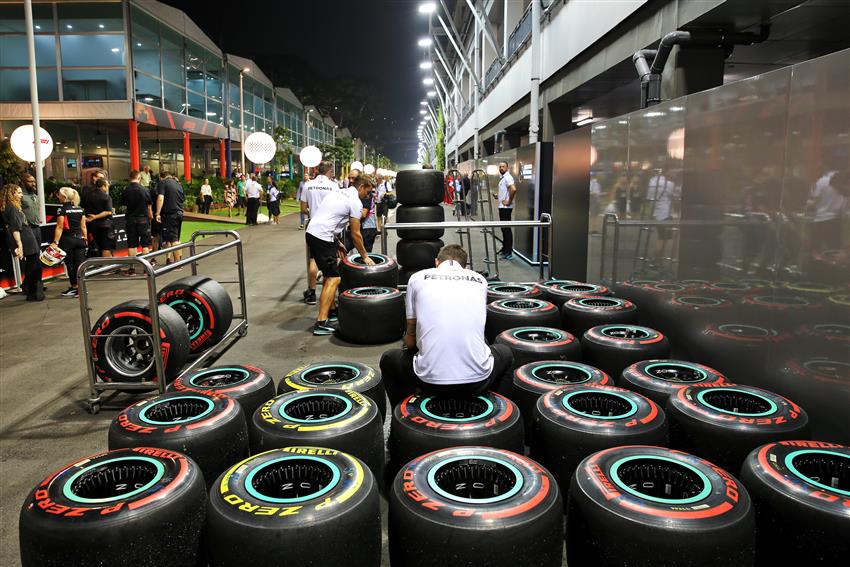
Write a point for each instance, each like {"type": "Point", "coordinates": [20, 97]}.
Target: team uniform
{"type": "Point", "coordinates": [137, 199]}
{"type": "Point", "coordinates": [505, 212]}
{"type": "Point", "coordinates": [326, 221]}
{"type": "Point", "coordinates": [172, 209]}
{"type": "Point", "coordinates": [70, 216]}
{"type": "Point", "coordinates": [102, 230]}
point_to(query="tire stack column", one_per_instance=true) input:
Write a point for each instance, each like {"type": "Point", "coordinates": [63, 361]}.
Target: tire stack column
{"type": "Point", "coordinates": [420, 193]}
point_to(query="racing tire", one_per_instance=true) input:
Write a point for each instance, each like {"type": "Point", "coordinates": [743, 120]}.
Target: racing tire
{"type": "Point", "coordinates": [507, 290]}
{"type": "Point", "coordinates": [573, 422]}
{"type": "Point", "coordinates": [612, 348]}
{"type": "Point", "coordinates": [248, 385]}
{"type": "Point", "coordinates": [475, 506]}
{"type": "Point", "coordinates": [420, 187]}
{"type": "Point", "coordinates": [417, 254]}
{"type": "Point", "coordinates": [561, 291]}
{"type": "Point", "coordinates": [820, 382]}
{"type": "Point", "coordinates": [205, 307]}
{"type": "Point", "coordinates": [679, 314]}
{"type": "Point", "coordinates": [137, 506]}
{"type": "Point", "coordinates": [420, 213]}
{"type": "Point", "coordinates": [404, 275]}
{"type": "Point", "coordinates": [336, 419]}
{"type": "Point", "coordinates": [530, 344]}
{"type": "Point", "coordinates": [371, 315]}
{"type": "Point", "coordinates": [507, 314]}
{"type": "Point", "coordinates": [635, 291]}
{"type": "Point", "coordinates": [644, 506]}
{"type": "Point", "coordinates": [335, 375]}
{"type": "Point", "coordinates": [302, 505]}
{"type": "Point", "coordinates": [210, 429]}
{"type": "Point", "coordinates": [421, 424]}
{"type": "Point", "coordinates": [724, 423]}
{"type": "Point", "coordinates": [354, 273]}
{"type": "Point", "coordinates": [659, 379]}
{"type": "Point", "coordinates": [824, 339]}
{"type": "Point", "coordinates": [130, 359]}
{"type": "Point", "coordinates": [801, 492]}
{"type": "Point", "coordinates": [582, 313]}
{"type": "Point", "coordinates": [791, 310]}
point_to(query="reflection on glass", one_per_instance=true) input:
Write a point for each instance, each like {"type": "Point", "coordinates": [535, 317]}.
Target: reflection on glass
{"type": "Point", "coordinates": [91, 17]}
{"type": "Point", "coordinates": [94, 84]}
{"type": "Point", "coordinates": [92, 50]}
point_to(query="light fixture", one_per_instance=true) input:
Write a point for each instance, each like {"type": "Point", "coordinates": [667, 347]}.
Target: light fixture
{"type": "Point", "coordinates": [424, 103]}
{"type": "Point", "coordinates": [427, 81]}
{"type": "Point", "coordinates": [425, 65]}
{"type": "Point", "coordinates": [423, 112]}
{"type": "Point", "coordinates": [69, 26]}
{"type": "Point", "coordinates": [101, 26]}
{"type": "Point", "coordinates": [585, 121]}
{"type": "Point", "coordinates": [138, 45]}
{"type": "Point", "coordinates": [427, 117]}
{"type": "Point", "coordinates": [38, 27]}
{"type": "Point", "coordinates": [427, 8]}
{"type": "Point", "coordinates": [431, 94]}
{"type": "Point", "coordinates": [246, 70]}
{"type": "Point", "coordinates": [115, 50]}
{"type": "Point", "coordinates": [424, 42]}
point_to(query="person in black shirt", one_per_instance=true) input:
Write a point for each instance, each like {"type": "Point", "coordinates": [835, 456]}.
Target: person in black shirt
{"type": "Point", "coordinates": [169, 212]}
{"type": "Point", "coordinates": [99, 211]}
{"type": "Point", "coordinates": [137, 200]}
{"type": "Point", "coordinates": [156, 227]}
{"type": "Point", "coordinates": [21, 241]}
{"type": "Point", "coordinates": [71, 235]}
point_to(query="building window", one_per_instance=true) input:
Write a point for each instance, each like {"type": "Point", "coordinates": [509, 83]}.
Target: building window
{"type": "Point", "coordinates": [175, 98]}
{"type": "Point", "coordinates": [196, 106]}
{"type": "Point", "coordinates": [172, 57]}
{"type": "Point", "coordinates": [148, 90]}
{"type": "Point", "coordinates": [12, 18]}
{"type": "Point", "coordinates": [94, 84]}
{"type": "Point", "coordinates": [92, 50]}
{"type": "Point", "coordinates": [91, 17]}
{"type": "Point", "coordinates": [214, 111]}
{"type": "Point", "coordinates": [145, 43]}
{"type": "Point", "coordinates": [15, 85]}
{"type": "Point", "coordinates": [13, 51]}
{"type": "Point", "coordinates": [194, 68]}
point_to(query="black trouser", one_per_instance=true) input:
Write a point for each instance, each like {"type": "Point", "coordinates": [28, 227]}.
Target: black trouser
{"type": "Point", "coordinates": [32, 285]}
{"type": "Point", "coordinates": [368, 235]}
{"type": "Point", "coordinates": [205, 205]}
{"type": "Point", "coordinates": [251, 210]}
{"type": "Point", "coordinates": [507, 233]}
{"type": "Point", "coordinates": [401, 381]}
{"type": "Point", "coordinates": [75, 248]}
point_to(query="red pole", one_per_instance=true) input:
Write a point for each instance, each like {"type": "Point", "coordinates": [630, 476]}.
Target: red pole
{"type": "Point", "coordinates": [222, 160]}
{"type": "Point", "coordinates": [135, 159]}
{"type": "Point", "coordinates": [187, 157]}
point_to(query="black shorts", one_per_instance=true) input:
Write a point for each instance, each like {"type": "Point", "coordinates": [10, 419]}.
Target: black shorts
{"type": "Point", "coordinates": [156, 228]}
{"type": "Point", "coordinates": [274, 208]}
{"type": "Point", "coordinates": [325, 255]}
{"type": "Point", "coordinates": [665, 232]}
{"type": "Point", "coordinates": [241, 202]}
{"type": "Point", "coordinates": [138, 232]}
{"type": "Point", "coordinates": [171, 225]}
{"type": "Point", "coordinates": [104, 237]}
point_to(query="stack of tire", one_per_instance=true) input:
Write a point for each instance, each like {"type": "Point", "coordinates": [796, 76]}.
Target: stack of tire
{"type": "Point", "coordinates": [371, 309]}
{"type": "Point", "coordinates": [420, 192]}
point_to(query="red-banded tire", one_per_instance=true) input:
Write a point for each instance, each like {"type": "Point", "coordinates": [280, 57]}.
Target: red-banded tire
{"type": "Point", "coordinates": [505, 314]}
{"type": "Point", "coordinates": [122, 347]}
{"type": "Point", "coordinates": [417, 254]}
{"type": "Point", "coordinates": [421, 424]}
{"type": "Point", "coordinates": [420, 187]}
{"type": "Point", "coordinates": [371, 315]}
{"type": "Point", "coordinates": [248, 385]}
{"type": "Point", "coordinates": [336, 375]}
{"type": "Point", "coordinates": [475, 506]}
{"type": "Point", "coordinates": [420, 213]}
{"type": "Point", "coordinates": [739, 350]}
{"type": "Point", "coordinates": [508, 290]}
{"type": "Point", "coordinates": [635, 291]}
{"type": "Point", "coordinates": [354, 272]}
{"type": "Point", "coordinates": [581, 313]}
{"type": "Point", "coordinates": [573, 422]}
{"type": "Point", "coordinates": [644, 506]}
{"type": "Point", "coordinates": [561, 291]}
{"type": "Point", "coordinates": [530, 344]}
{"type": "Point", "coordinates": [212, 430]}
{"type": "Point", "coordinates": [611, 348]}
{"type": "Point", "coordinates": [725, 422]}
{"type": "Point", "coordinates": [732, 290]}
{"type": "Point", "coordinates": [337, 419]}
{"type": "Point", "coordinates": [654, 296]}
{"type": "Point", "coordinates": [801, 494]}
{"type": "Point", "coordinates": [680, 314]}
{"type": "Point", "coordinates": [792, 310]}
{"type": "Point", "coordinates": [140, 505]}
{"type": "Point", "coordinates": [309, 505]}
{"type": "Point", "coordinates": [822, 383]}
{"type": "Point", "coordinates": [205, 307]}
{"type": "Point", "coordinates": [659, 379]}
{"type": "Point", "coordinates": [824, 339]}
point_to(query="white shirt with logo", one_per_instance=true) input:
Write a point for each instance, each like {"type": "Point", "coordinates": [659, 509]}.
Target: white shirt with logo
{"type": "Point", "coordinates": [504, 192]}
{"type": "Point", "coordinates": [334, 212]}
{"type": "Point", "coordinates": [449, 304]}
{"type": "Point", "coordinates": [316, 190]}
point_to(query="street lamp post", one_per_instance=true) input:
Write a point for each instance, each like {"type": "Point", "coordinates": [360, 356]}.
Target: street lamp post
{"type": "Point", "coordinates": [242, 118]}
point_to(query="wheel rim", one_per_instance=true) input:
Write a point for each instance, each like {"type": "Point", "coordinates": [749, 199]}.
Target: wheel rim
{"type": "Point", "coordinates": [783, 301]}
{"type": "Point", "coordinates": [561, 374]}
{"type": "Point", "coordinates": [731, 286]}
{"type": "Point", "coordinates": [747, 331]}
{"type": "Point", "coordinates": [457, 409]}
{"type": "Point", "coordinates": [833, 368]}
{"type": "Point", "coordinates": [176, 410]}
{"type": "Point", "coordinates": [538, 335]}
{"type": "Point", "coordinates": [578, 288]}
{"type": "Point", "coordinates": [834, 330]}
{"type": "Point", "coordinates": [475, 479]}
{"type": "Point", "coordinates": [130, 355]}
{"type": "Point", "coordinates": [191, 315]}
{"type": "Point", "coordinates": [660, 479]}
{"type": "Point", "coordinates": [377, 258]}
{"type": "Point", "coordinates": [510, 288]}
{"type": "Point", "coordinates": [596, 404]}
{"type": "Point", "coordinates": [370, 291]}
{"type": "Point", "coordinates": [113, 479]}
{"type": "Point", "coordinates": [315, 408]}
{"type": "Point", "coordinates": [699, 301]}
{"type": "Point", "coordinates": [669, 287]}
{"type": "Point", "coordinates": [292, 479]}
{"type": "Point", "coordinates": [625, 332]}
{"type": "Point", "coordinates": [825, 469]}
{"type": "Point", "coordinates": [737, 402]}
{"type": "Point", "coordinates": [600, 302]}
{"type": "Point", "coordinates": [330, 374]}
{"type": "Point", "coordinates": [522, 303]}
{"type": "Point", "coordinates": [218, 377]}
{"type": "Point", "coordinates": [678, 372]}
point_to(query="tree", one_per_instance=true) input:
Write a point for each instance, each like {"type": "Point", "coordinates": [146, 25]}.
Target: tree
{"type": "Point", "coordinates": [285, 148]}
{"type": "Point", "coordinates": [440, 149]}
{"type": "Point", "coordinates": [10, 165]}
{"type": "Point", "coordinates": [427, 155]}
{"type": "Point", "coordinates": [342, 151]}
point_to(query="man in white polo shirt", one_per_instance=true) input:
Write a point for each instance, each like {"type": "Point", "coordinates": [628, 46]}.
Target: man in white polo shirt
{"type": "Point", "coordinates": [507, 192]}
{"type": "Point", "coordinates": [312, 195]}
{"type": "Point", "coordinates": [445, 352]}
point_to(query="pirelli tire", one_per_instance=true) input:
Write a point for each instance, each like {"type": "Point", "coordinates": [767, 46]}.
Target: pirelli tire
{"type": "Point", "coordinates": [723, 423]}
{"type": "Point", "coordinates": [371, 315]}
{"type": "Point", "coordinates": [211, 429]}
{"type": "Point", "coordinates": [573, 422]}
{"type": "Point", "coordinates": [561, 291]}
{"type": "Point", "coordinates": [644, 506]}
{"type": "Point", "coordinates": [801, 493]}
{"type": "Point", "coordinates": [417, 254]}
{"type": "Point", "coordinates": [337, 375]}
{"type": "Point", "coordinates": [337, 419]}
{"type": "Point", "coordinates": [421, 424]}
{"type": "Point", "coordinates": [205, 307]}
{"type": "Point", "coordinates": [122, 346]}
{"type": "Point", "coordinates": [420, 187]}
{"type": "Point", "coordinates": [420, 213]}
{"type": "Point", "coordinates": [354, 272]}
{"type": "Point", "coordinates": [659, 379]}
{"type": "Point", "coordinates": [509, 290]}
{"type": "Point", "coordinates": [530, 344]}
{"type": "Point", "coordinates": [505, 314]}
{"type": "Point", "coordinates": [612, 348]}
{"type": "Point", "coordinates": [475, 506]}
{"type": "Point", "coordinates": [735, 348]}
{"type": "Point", "coordinates": [302, 505]}
{"type": "Point", "coordinates": [581, 313]}
{"type": "Point", "coordinates": [248, 385]}
{"type": "Point", "coordinates": [121, 508]}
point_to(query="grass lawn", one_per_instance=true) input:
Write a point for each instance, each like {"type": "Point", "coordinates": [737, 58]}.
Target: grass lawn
{"type": "Point", "coordinates": [287, 206]}
{"type": "Point", "coordinates": [191, 226]}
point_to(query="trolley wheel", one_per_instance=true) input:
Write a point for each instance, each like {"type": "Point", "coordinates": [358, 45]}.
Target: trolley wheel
{"type": "Point", "coordinates": [94, 407]}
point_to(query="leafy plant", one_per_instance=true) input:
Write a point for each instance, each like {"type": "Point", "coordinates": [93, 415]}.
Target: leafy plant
{"type": "Point", "coordinates": [10, 166]}
{"type": "Point", "coordinates": [440, 149]}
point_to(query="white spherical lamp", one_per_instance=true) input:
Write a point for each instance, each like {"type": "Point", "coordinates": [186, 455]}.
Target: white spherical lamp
{"type": "Point", "coordinates": [310, 156]}
{"type": "Point", "coordinates": [356, 165]}
{"type": "Point", "coordinates": [369, 169]}
{"type": "Point", "coordinates": [23, 143]}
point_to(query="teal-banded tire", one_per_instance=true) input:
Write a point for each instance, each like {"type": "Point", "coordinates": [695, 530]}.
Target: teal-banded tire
{"type": "Point", "coordinates": [530, 344]}
{"type": "Point", "coordinates": [135, 506]}
{"type": "Point", "coordinates": [612, 348]}
{"type": "Point", "coordinates": [354, 272]}
{"type": "Point", "coordinates": [336, 419]}
{"type": "Point", "coordinates": [644, 506]}
{"type": "Point", "coordinates": [582, 313]}
{"type": "Point", "coordinates": [475, 506]}
{"type": "Point", "coordinates": [561, 291]}
{"type": "Point", "coordinates": [504, 314]}
{"type": "Point", "coordinates": [801, 493]}
{"type": "Point", "coordinates": [210, 429]}
{"type": "Point", "coordinates": [509, 290]}
{"type": "Point", "coordinates": [248, 385]}
{"type": "Point", "coordinates": [205, 307]}
{"type": "Point", "coordinates": [337, 375]}
{"type": "Point", "coordinates": [371, 315]}
{"type": "Point", "coordinates": [659, 379]}
{"type": "Point", "coordinates": [723, 423]}
{"type": "Point", "coordinates": [309, 505]}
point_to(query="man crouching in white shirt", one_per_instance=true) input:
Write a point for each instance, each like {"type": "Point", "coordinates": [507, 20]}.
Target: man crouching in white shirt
{"type": "Point", "coordinates": [445, 351]}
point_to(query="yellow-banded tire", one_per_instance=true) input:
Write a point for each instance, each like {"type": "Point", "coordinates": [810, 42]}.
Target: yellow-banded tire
{"type": "Point", "coordinates": [336, 419]}
{"type": "Point", "coordinates": [295, 506]}
{"type": "Point", "coordinates": [337, 375]}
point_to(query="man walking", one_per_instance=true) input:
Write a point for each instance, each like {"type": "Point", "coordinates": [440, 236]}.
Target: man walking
{"type": "Point", "coordinates": [507, 192]}
{"type": "Point", "coordinates": [313, 194]}
{"type": "Point", "coordinates": [145, 177]}
{"type": "Point", "coordinates": [137, 199]}
{"type": "Point", "coordinates": [169, 213]}
{"type": "Point", "coordinates": [253, 191]}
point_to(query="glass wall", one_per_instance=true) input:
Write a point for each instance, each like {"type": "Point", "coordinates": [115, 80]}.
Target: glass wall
{"type": "Point", "coordinates": [14, 77]}
{"type": "Point", "coordinates": [291, 118]}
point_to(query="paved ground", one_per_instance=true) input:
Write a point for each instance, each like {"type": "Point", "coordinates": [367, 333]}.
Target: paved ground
{"type": "Point", "coordinates": [44, 423]}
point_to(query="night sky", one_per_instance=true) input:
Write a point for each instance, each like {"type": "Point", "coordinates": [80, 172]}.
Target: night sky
{"type": "Point", "coordinates": [359, 56]}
